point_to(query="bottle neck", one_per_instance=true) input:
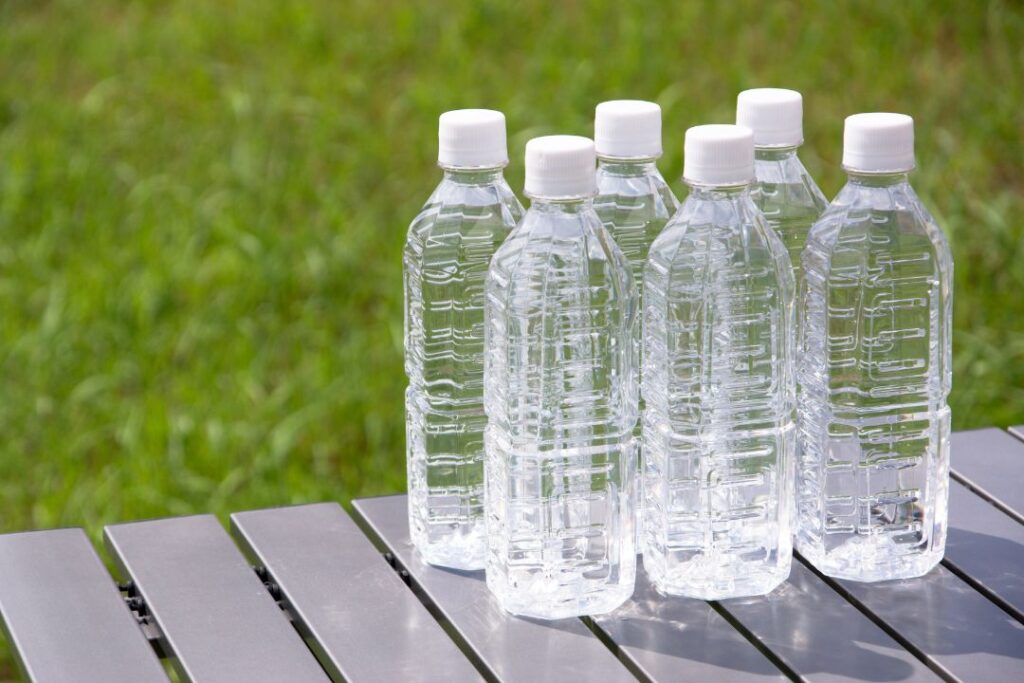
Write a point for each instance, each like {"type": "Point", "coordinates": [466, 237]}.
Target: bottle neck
{"type": "Point", "coordinates": [717, 192]}
{"type": "Point", "coordinates": [561, 205]}
{"type": "Point", "coordinates": [473, 176]}
{"type": "Point", "coordinates": [627, 167]}
{"type": "Point", "coordinates": [877, 179]}
{"type": "Point", "coordinates": [775, 153]}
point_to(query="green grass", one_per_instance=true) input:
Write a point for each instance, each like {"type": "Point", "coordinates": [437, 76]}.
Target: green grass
{"type": "Point", "coordinates": [203, 204]}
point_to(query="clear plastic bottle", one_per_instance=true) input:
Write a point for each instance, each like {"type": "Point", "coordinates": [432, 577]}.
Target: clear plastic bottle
{"type": "Point", "coordinates": [718, 383]}
{"type": "Point", "coordinates": [785, 192]}
{"type": "Point", "coordinates": [446, 256]}
{"type": "Point", "coordinates": [873, 474]}
{"type": "Point", "coordinates": [561, 395]}
{"type": "Point", "coordinates": [633, 200]}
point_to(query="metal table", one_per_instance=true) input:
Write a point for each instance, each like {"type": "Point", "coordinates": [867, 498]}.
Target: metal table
{"type": "Point", "coordinates": [308, 593]}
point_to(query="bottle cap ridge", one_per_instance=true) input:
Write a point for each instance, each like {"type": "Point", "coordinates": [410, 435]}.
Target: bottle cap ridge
{"type": "Point", "coordinates": [719, 154]}
{"type": "Point", "coordinates": [878, 143]}
{"type": "Point", "coordinates": [561, 166]}
{"type": "Point", "coordinates": [774, 114]}
{"type": "Point", "coordinates": [472, 138]}
{"type": "Point", "coordinates": [627, 129]}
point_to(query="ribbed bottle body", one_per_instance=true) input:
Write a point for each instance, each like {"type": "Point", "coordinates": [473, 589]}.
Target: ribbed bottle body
{"type": "Point", "coordinates": [561, 397]}
{"type": "Point", "coordinates": [790, 201]}
{"type": "Point", "coordinates": [718, 383]}
{"type": "Point", "coordinates": [634, 203]}
{"type": "Point", "coordinates": [446, 256]}
{"type": "Point", "coordinates": [875, 377]}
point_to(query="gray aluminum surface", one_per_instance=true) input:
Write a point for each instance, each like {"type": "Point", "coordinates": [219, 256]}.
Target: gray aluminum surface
{"type": "Point", "coordinates": [368, 624]}
{"type": "Point", "coordinates": [819, 635]}
{"type": "Point", "coordinates": [957, 628]}
{"type": "Point", "coordinates": [216, 616]}
{"type": "Point", "coordinates": [991, 462]}
{"type": "Point", "coordinates": [671, 639]}
{"type": "Point", "coordinates": [512, 648]}
{"type": "Point", "coordinates": [65, 616]}
{"type": "Point", "coordinates": [987, 545]}
{"type": "Point", "coordinates": [68, 622]}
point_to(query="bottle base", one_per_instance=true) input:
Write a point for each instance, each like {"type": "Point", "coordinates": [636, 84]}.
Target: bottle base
{"type": "Point", "coordinates": [447, 560]}
{"type": "Point", "coordinates": [593, 605]}
{"type": "Point", "coordinates": [462, 551]}
{"type": "Point", "coordinates": [761, 583]}
{"type": "Point", "coordinates": [851, 563]}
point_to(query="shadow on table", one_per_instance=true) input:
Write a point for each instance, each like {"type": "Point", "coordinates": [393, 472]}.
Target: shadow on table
{"type": "Point", "coordinates": [948, 619]}
{"type": "Point", "coordinates": [804, 623]}
{"type": "Point", "coordinates": [682, 629]}
{"type": "Point", "coordinates": [811, 627]}
{"type": "Point", "coordinates": [994, 561]}
{"type": "Point", "coordinates": [680, 632]}
{"type": "Point", "coordinates": [475, 590]}
{"type": "Point", "coordinates": [814, 629]}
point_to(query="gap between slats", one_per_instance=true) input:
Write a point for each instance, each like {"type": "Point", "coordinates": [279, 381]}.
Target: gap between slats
{"type": "Point", "coordinates": [986, 496]}
{"type": "Point", "coordinates": [734, 621]}
{"type": "Point", "coordinates": [981, 492]}
{"type": "Point", "coordinates": [396, 564]}
{"type": "Point", "coordinates": [881, 623]}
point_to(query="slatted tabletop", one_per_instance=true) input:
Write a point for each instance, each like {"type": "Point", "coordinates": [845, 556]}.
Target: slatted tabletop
{"type": "Point", "coordinates": [309, 593]}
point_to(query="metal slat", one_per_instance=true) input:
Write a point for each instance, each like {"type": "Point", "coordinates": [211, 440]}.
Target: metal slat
{"type": "Point", "coordinates": [217, 618]}
{"type": "Point", "coordinates": [987, 546]}
{"type": "Point", "coordinates": [991, 462]}
{"type": "Point", "coordinates": [672, 639]}
{"type": "Point", "coordinates": [65, 616]}
{"type": "Point", "coordinates": [513, 649]}
{"type": "Point", "coordinates": [820, 636]}
{"type": "Point", "coordinates": [1018, 431]}
{"type": "Point", "coordinates": [366, 622]}
{"type": "Point", "coordinates": [954, 626]}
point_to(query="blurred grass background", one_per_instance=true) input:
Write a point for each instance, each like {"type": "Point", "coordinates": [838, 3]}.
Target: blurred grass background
{"type": "Point", "coordinates": [203, 205]}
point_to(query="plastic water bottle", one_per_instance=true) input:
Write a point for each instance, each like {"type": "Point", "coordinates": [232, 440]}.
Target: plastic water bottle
{"type": "Point", "coordinates": [449, 247]}
{"type": "Point", "coordinates": [718, 382]}
{"type": "Point", "coordinates": [785, 192]}
{"type": "Point", "coordinates": [876, 373]}
{"type": "Point", "coordinates": [633, 200]}
{"type": "Point", "coordinates": [561, 395]}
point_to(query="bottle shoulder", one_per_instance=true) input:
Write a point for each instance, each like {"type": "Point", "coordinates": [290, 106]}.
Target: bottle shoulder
{"type": "Point", "coordinates": [718, 216]}
{"type": "Point", "coordinates": [461, 208]}
{"type": "Point", "coordinates": [565, 240]}
{"type": "Point", "coordinates": [786, 186]}
{"type": "Point", "coordinates": [615, 188]}
{"type": "Point", "coordinates": [702, 228]}
{"type": "Point", "coordinates": [887, 210]}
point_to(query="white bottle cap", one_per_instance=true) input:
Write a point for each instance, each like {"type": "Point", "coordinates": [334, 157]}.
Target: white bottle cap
{"type": "Point", "coordinates": [561, 166]}
{"type": "Point", "coordinates": [628, 129]}
{"type": "Point", "coordinates": [719, 154]}
{"type": "Point", "coordinates": [472, 138]}
{"type": "Point", "coordinates": [775, 115]}
{"type": "Point", "coordinates": [878, 143]}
